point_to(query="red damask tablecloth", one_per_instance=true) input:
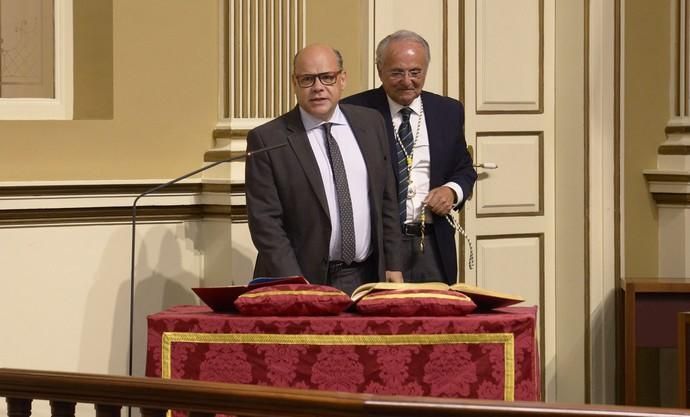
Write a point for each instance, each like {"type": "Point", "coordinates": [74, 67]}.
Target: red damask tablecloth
{"type": "Point", "coordinates": [490, 355]}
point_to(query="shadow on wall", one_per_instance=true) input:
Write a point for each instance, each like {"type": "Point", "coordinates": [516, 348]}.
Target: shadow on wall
{"type": "Point", "coordinates": [242, 266]}
{"type": "Point", "coordinates": [161, 281]}
{"type": "Point", "coordinates": [228, 253]}
{"type": "Point", "coordinates": [162, 286]}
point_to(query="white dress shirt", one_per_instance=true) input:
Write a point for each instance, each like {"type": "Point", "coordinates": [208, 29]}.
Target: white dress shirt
{"type": "Point", "coordinates": [421, 160]}
{"type": "Point", "coordinates": [357, 180]}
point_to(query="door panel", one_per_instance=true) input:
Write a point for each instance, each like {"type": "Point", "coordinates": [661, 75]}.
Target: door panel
{"type": "Point", "coordinates": [508, 256]}
{"type": "Point", "coordinates": [508, 67]}
{"type": "Point", "coordinates": [517, 187]}
{"type": "Point", "coordinates": [509, 120]}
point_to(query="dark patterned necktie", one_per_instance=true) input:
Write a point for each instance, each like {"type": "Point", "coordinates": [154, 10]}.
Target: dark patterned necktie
{"type": "Point", "coordinates": [347, 224]}
{"type": "Point", "coordinates": [406, 139]}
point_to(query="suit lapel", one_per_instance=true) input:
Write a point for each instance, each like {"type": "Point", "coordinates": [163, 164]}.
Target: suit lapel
{"type": "Point", "coordinates": [367, 146]}
{"type": "Point", "coordinates": [298, 140]}
{"type": "Point", "coordinates": [381, 104]}
{"type": "Point", "coordinates": [360, 131]}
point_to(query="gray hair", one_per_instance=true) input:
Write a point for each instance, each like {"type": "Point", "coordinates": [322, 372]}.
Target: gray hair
{"type": "Point", "coordinates": [400, 35]}
{"type": "Point", "coordinates": [338, 57]}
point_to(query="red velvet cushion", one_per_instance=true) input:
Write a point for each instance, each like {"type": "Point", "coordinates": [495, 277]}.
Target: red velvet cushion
{"type": "Point", "coordinates": [293, 300]}
{"type": "Point", "coordinates": [415, 302]}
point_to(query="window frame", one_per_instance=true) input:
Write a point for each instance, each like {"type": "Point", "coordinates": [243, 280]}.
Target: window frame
{"type": "Point", "coordinates": [61, 107]}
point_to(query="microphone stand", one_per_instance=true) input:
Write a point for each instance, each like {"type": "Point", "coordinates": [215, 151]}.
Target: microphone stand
{"type": "Point", "coordinates": [134, 226]}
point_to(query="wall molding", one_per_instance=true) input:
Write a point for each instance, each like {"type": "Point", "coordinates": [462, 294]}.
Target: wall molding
{"type": "Point", "coordinates": [669, 188]}
{"type": "Point", "coordinates": [674, 149]}
{"type": "Point", "coordinates": [672, 199]}
{"type": "Point", "coordinates": [61, 203]}
{"type": "Point", "coordinates": [677, 129]}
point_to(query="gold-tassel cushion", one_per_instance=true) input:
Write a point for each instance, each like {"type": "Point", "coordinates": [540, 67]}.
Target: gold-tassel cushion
{"type": "Point", "coordinates": [293, 300]}
{"type": "Point", "coordinates": [415, 302]}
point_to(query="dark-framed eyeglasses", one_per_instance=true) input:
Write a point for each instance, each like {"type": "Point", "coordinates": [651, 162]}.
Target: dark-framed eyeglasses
{"type": "Point", "coordinates": [326, 78]}
{"type": "Point", "coordinates": [415, 74]}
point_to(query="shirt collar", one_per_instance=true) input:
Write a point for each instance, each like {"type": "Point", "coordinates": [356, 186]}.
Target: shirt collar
{"type": "Point", "coordinates": [310, 122]}
{"type": "Point", "coordinates": [415, 106]}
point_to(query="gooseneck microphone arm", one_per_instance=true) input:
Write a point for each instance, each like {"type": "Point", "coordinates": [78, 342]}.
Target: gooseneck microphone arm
{"type": "Point", "coordinates": [134, 227]}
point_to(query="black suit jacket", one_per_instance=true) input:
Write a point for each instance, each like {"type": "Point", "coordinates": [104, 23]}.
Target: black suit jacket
{"type": "Point", "coordinates": [450, 161]}
{"type": "Point", "coordinates": [288, 212]}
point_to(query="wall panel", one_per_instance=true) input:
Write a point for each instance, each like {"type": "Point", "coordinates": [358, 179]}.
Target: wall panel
{"type": "Point", "coordinates": [517, 186]}
{"type": "Point", "coordinates": [509, 56]}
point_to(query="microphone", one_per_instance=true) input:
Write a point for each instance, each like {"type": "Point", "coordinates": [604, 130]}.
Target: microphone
{"type": "Point", "coordinates": [134, 225]}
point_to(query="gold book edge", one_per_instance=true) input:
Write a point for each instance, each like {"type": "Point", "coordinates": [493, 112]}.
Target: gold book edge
{"type": "Point", "coordinates": [483, 298]}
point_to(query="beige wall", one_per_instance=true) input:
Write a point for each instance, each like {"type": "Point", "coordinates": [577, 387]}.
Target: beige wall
{"type": "Point", "coordinates": [343, 25]}
{"type": "Point", "coordinates": [570, 209]}
{"type": "Point", "coordinates": [647, 73]}
{"type": "Point", "coordinates": [156, 117]}
{"type": "Point", "coordinates": [93, 59]}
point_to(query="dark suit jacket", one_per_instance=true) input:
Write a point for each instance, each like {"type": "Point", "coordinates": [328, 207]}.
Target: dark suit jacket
{"type": "Point", "coordinates": [445, 122]}
{"type": "Point", "coordinates": [288, 211]}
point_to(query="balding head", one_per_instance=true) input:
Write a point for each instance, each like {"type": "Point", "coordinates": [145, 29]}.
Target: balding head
{"type": "Point", "coordinates": [321, 48]}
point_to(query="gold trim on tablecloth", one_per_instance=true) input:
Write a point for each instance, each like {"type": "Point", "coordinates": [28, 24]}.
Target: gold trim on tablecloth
{"type": "Point", "coordinates": [507, 339]}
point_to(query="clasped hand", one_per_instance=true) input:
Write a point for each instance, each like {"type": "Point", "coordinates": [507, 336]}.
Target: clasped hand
{"type": "Point", "coordinates": [440, 200]}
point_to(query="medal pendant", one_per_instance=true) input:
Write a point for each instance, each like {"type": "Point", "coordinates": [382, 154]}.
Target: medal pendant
{"type": "Point", "coordinates": [411, 191]}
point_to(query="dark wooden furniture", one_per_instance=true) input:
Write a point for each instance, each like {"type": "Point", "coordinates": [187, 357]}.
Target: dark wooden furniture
{"type": "Point", "coordinates": [650, 323]}
{"type": "Point", "coordinates": [683, 359]}
{"type": "Point", "coordinates": [203, 399]}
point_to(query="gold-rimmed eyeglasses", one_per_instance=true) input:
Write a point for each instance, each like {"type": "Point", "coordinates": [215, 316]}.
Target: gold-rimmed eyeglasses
{"type": "Point", "coordinates": [326, 78]}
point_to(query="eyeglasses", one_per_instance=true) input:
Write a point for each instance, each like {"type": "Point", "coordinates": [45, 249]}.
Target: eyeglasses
{"type": "Point", "coordinates": [400, 74]}
{"type": "Point", "coordinates": [326, 78]}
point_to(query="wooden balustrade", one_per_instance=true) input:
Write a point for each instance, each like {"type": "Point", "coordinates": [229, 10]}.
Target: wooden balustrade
{"type": "Point", "coordinates": [202, 399]}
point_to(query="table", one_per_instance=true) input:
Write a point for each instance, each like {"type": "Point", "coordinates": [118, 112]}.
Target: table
{"type": "Point", "coordinates": [490, 355]}
{"type": "Point", "coordinates": [651, 325]}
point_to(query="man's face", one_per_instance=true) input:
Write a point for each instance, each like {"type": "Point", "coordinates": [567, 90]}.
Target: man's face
{"type": "Point", "coordinates": [403, 71]}
{"type": "Point", "coordinates": [318, 64]}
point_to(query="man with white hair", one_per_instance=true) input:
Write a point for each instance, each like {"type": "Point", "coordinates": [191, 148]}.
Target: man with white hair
{"type": "Point", "coordinates": [433, 169]}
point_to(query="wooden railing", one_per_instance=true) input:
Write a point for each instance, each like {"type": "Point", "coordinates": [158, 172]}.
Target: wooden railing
{"type": "Point", "coordinates": [201, 399]}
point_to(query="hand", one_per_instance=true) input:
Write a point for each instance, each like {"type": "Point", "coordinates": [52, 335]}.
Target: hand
{"type": "Point", "coordinates": [394, 276]}
{"type": "Point", "coordinates": [440, 200]}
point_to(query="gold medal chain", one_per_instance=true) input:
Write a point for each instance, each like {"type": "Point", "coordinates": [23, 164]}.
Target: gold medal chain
{"type": "Point", "coordinates": [454, 224]}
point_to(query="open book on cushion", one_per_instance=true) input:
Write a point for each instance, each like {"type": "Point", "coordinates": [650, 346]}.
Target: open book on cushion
{"type": "Point", "coordinates": [483, 298]}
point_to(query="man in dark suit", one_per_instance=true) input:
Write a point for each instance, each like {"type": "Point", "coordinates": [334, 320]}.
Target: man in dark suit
{"type": "Point", "coordinates": [325, 205]}
{"type": "Point", "coordinates": [433, 169]}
